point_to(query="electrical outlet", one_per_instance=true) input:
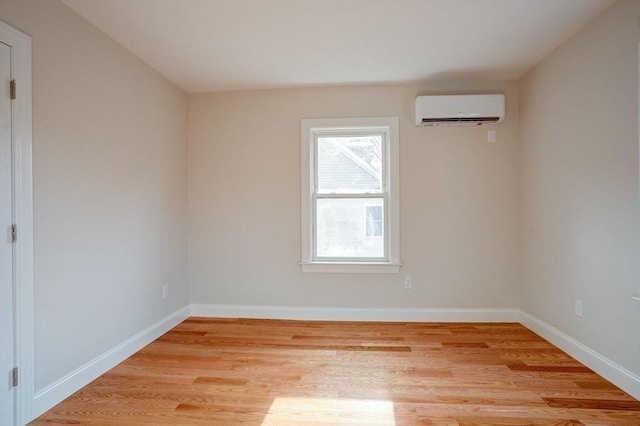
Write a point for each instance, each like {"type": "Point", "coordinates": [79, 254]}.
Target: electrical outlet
{"type": "Point", "coordinates": [408, 282]}
{"type": "Point", "coordinates": [578, 307]}
{"type": "Point", "coordinates": [165, 291]}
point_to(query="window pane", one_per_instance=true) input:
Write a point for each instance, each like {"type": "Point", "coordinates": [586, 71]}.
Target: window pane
{"type": "Point", "coordinates": [374, 221]}
{"type": "Point", "coordinates": [342, 228]}
{"type": "Point", "coordinates": [349, 164]}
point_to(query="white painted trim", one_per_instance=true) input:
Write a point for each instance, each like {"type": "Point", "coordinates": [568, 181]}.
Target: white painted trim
{"type": "Point", "coordinates": [393, 183]}
{"type": "Point", "coordinates": [352, 268]}
{"type": "Point", "coordinates": [615, 373]}
{"type": "Point", "coordinates": [67, 385]}
{"type": "Point", "coordinates": [23, 215]}
{"type": "Point", "coordinates": [356, 314]}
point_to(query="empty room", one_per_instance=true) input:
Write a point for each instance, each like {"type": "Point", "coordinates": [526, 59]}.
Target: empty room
{"type": "Point", "coordinates": [319, 212]}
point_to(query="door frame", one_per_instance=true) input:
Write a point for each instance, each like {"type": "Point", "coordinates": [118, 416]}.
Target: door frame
{"type": "Point", "coordinates": [23, 217]}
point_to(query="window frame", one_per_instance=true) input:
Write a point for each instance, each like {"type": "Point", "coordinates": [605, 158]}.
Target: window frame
{"type": "Point", "coordinates": [310, 130]}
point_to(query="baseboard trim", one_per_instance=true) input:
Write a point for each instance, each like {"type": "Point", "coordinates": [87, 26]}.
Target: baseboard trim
{"type": "Point", "coordinates": [355, 314]}
{"type": "Point", "coordinates": [53, 394]}
{"type": "Point", "coordinates": [62, 388]}
{"type": "Point", "coordinates": [615, 373]}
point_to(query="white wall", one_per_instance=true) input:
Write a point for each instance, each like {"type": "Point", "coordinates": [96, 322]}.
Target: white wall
{"type": "Point", "coordinates": [459, 198]}
{"type": "Point", "coordinates": [579, 135]}
{"type": "Point", "coordinates": [109, 160]}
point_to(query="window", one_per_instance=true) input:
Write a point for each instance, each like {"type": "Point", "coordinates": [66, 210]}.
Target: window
{"type": "Point", "coordinates": [350, 207]}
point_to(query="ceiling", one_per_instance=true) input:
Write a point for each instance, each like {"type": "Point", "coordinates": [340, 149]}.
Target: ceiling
{"type": "Point", "coordinates": [222, 45]}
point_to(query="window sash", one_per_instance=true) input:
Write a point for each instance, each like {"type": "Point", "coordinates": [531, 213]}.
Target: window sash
{"type": "Point", "coordinates": [383, 193]}
{"type": "Point", "coordinates": [384, 135]}
{"type": "Point", "coordinates": [385, 227]}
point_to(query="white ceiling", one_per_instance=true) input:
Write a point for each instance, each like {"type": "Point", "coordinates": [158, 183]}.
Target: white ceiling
{"type": "Point", "coordinates": [219, 45]}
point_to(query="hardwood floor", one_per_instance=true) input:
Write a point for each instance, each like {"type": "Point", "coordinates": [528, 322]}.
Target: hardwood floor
{"type": "Point", "coordinates": [263, 372]}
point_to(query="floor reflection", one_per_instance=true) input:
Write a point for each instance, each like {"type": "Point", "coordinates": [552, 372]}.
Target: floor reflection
{"type": "Point", "coordinates": [286, 410]}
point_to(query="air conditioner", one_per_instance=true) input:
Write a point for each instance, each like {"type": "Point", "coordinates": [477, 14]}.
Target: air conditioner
{"type": "Point", "coordinates": [459, 110]}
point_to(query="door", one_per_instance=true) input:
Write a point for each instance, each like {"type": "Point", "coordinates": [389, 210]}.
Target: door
{"type": "Point", "coordinates": [7, 298]}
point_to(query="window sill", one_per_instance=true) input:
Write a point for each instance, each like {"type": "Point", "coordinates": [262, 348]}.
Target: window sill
{"type": "Point", "coordinates": [352, 267]}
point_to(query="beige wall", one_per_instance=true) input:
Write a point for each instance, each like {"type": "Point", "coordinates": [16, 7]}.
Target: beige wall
{"type": "Point", "coordinates": [579, 135]}
{"type": "Point", "coordinates": [110, 179]}
{"type": "Point", "coordinates": [109, 160]}
{"type": "Point", "coordinates": [459, 202]}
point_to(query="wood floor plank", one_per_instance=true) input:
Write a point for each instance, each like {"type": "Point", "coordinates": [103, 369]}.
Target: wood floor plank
{"type": "Point", "coordinates": [221, 371]}
{"type": "Point", "coordinates": [599, 404]}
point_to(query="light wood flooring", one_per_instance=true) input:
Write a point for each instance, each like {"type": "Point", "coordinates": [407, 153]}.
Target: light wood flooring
{"type": "Point", "coordinates": [264, 372]}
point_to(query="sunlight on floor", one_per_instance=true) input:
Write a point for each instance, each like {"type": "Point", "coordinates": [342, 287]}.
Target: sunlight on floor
{"type": "Point", "coordinates": [327, 410]}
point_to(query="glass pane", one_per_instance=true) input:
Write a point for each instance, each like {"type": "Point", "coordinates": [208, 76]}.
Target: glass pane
{"type": "Point", "coordinates": [374, 221]}
{"type": "Point", "coordinates": [349, 164]}
{"type": "Point", "coordinates": [342, 227]}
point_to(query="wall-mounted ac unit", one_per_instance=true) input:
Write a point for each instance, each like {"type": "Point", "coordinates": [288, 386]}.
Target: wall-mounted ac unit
{"type": "Point", "coordinates": [458, 110]}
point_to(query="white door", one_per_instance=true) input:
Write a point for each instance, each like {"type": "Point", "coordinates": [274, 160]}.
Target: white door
{"type": "Point", "coordinates": [7, 307]}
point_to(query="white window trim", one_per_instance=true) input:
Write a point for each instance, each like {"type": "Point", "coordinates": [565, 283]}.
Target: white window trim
{"type": "Point", "coordinates": [392, 265]}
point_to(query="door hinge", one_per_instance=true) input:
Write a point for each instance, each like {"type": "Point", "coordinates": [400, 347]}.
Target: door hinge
{"type": "Point", "coordinates": [14, 233]}
{"type": "Point", "coordinates": [12, 89]}
{"type": "Point", "coordinates": [14, 377]}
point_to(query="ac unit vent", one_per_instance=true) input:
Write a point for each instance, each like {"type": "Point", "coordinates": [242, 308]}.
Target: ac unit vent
{"type": "Point", "coordinates": [476, 120]}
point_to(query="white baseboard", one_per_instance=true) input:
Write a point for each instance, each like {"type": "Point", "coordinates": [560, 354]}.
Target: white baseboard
{"type": "Point", "coordinates": [616, 374]}
{"type": "Point", "coordinates": [67, 385]}
{"type": "Point", "coordinates": [356, 314]}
